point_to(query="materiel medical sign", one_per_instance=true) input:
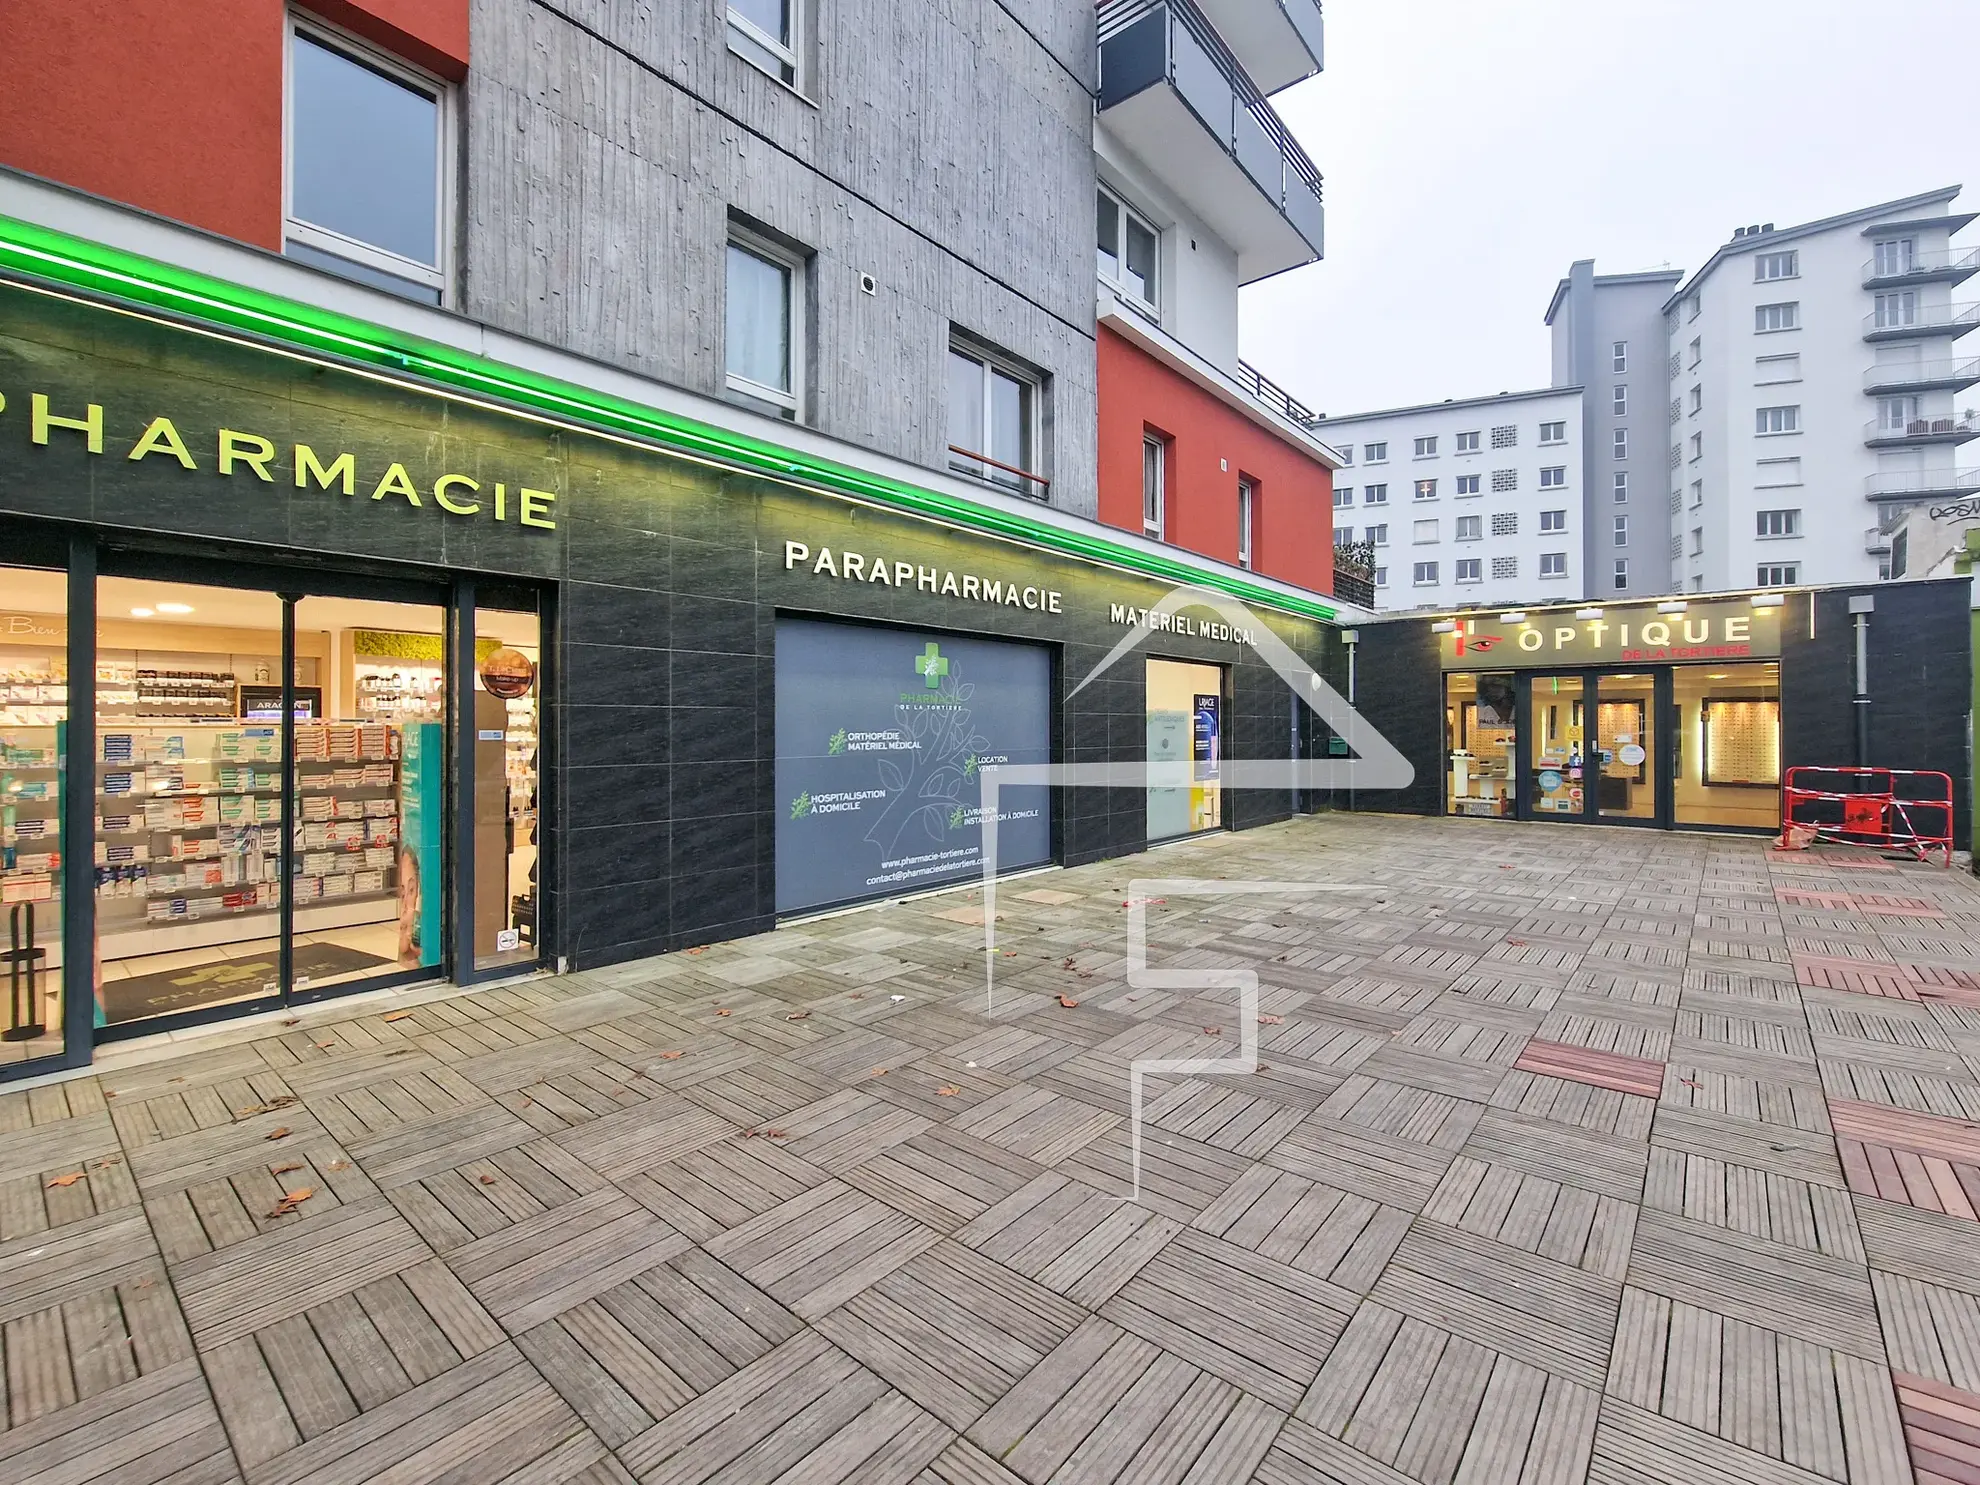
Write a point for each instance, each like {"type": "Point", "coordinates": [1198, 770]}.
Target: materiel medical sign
{"type": "Point", "coordinates": [1728, 629]}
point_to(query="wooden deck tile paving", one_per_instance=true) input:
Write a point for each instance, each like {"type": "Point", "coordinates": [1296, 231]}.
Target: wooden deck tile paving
{"type": "Point", "coordinates": [1591, 1158]}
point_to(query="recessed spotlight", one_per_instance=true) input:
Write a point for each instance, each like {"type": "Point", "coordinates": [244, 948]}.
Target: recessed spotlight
{"type": "Point", "coordinates": [144, 613]}
{"type": "Point", "coordinates": [1719, 675]}
{"type": "Point", "coordinates": [175, 608]}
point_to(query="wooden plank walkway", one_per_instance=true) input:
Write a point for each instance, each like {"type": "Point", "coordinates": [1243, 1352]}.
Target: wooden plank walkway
{"type": "Point", "coordinates": [1572, 1155]}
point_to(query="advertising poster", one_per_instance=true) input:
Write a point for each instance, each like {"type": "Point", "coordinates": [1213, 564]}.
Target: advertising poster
{"type": "Point", "coordinates": [422, 829]}
{"type": "Point", "coordinates": [880, 736]}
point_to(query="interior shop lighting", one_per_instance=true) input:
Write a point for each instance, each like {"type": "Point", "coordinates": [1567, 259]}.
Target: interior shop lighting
{"type": "Point", "coordinates": [147, 287]}
{"type": "Point", "coordinates": [174, 608]}
{"type": "Point", "coordinates": [1588, 613]}
{"type": "Point", "coordinates": [1515, 616]}
{"type": "Point", "coordinates": [1769, 600]}
{"type": "Point", "coordinates": [144, 613]}
{"type": "Point", "coordinates": [1671, 606]}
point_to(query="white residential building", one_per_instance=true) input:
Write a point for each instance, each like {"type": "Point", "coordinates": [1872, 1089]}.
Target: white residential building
{"type": "Point", "coordinates": [1479, 501]}
{"type": "Point", "coordinates": [1813, 390]}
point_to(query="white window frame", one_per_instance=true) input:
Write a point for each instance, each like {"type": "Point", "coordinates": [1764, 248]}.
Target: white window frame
{"type": "Point", "coordinates": [1787, 311]}
{"type": "Point", "coordinates": [1619, 399]}
{"type": "Point", "coordinates": [1697, 396]}
{"type": "Point", "coordinates": [1381, 577]}
{"type": "Point", "coordinates": [1378, 534]}
{"type": "Point", "coordinates": [1697, 494]}
{"type": "Point", "coordinates": [1553, 477]}
{"type": "Point", "coordinates": [1622, 573]}
{"type": "Point", "coordinates": [1621, 532]}
{"type": "Point", "coordinates": [1788, 262]}
{"type": "Point", "coordinates": [1697, 349]}
{"type": "Point", "coordinates": [1620, 485]}
{"type": "Point", "coordinates": [1618, 356]}
{"type": "Point", "coordinates": [1553, 432]}
{"type": "Point", "coordinates": [1152, 300]}
{"type": "Point", "coordinates": [438, 276]}
{"type": "Point", "coordinates": [1425, 490]}
{"type": "Point", "coordinates": [795, 267]}
{"type": "Point", "coordinates": [1783, 574]}
{"type": "Point", "coordinates": [1344, 536]}
{"type": "Point", "coordinates": [1423, 574]}
{"type": "Point", "coordinates": [1467, 443]}
{"type": "Point", "coordinates": [1697, 541]}
{"type": "Point", "coordinates": [1473, 531]}
{"type": "Point", "coordinates": [1375, 453]}
{"type": "Point", "coordinates": [1032, 483]}
{"type": "Point", "coordinates": [1553, 564]}
{"type": "Point", "coordinates": [1882, 258]}
{"type": "Point", "coordinates": [1375, 494]}
{"type": "Point", "coordinates": [1787, 416]}
{"type": "Point", "coordinates": [786, 52]}
{"type": "Point", "coordinates": [1426, 448]}
{"type": "Point", "coordinates": [1619, 444]}
{"type": "Point", "coordinates": [1786, 520]}
{"type": "Point", "coordinates": [1155, 493]}
{"type": "Point", "coordinates": [1477, 566]}
{"type": "Point", "coordinates": [1344, 497]}
{"type": "Point", "coordinates": [1476, 480]}
{"type": "Point", "coordinates": [1247, 495]}
{"type": "Point", "coordinates": [1552, 520]}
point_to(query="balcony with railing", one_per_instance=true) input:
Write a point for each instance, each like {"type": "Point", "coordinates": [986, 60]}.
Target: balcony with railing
{"type": "Point", "coordinates": [1904, 322]}
{"type": "Point", "coordinates": [1172, 91]}
{"type": "Point", "coordinates": [1922, 376]}
{"type": "Point", "coordinates": [1354, 572]}
{"type": "Point", "coordinates": [1916, 484]}
{"type": "Point", "coordinates": [1277, 41]}
{"type": "Point", "coordinates": [1274, 396]}
{"type": "Point", "coordinates": [1884, 433]}
{"type": "Point", "coordinates": [1894, 266]}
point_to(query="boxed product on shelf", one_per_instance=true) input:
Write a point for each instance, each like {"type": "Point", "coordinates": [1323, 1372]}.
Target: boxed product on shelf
{"type": "Point", "coordinates": [382, 832]}
{"type": "Point", "coordinates": [323, 808]}
{"type": "Point", "coordinates": [350, 809]}
{"type": "Point", "coordinates": [314, 837]}
{"type": "Point", "coordinates": [236, 809]}
{"type": "Point", "coordinates": [378, 857]}
{"type": "Point", "coordinates": [308, 889]}
{"type": "Point", "coordinates": [117, 824]}
{"type": "Point", "coordinates": [117, 783]}
{"type": "Point", "coordinates": [118, 747]}
{"type": "Point", "coordinates": [337, 884]}
{"type": "Point", "coordinates": [251, 744]}
{"type": "Point", "coordinates": [266, 810]}
{"type": "Point", "coordinates": [380, 809]}
{"type": "Point", "coordinates": [31, 887]}
{"type": "Point", "coordinates": [367, 881]}
{"type": "Point", "coordinates": [349, 778]}
{"type": "Point", "coordinates": [165, 781]}
{"type": "Point", "coordinates": [377, 776]}
{"type": "Point", "coordinates": [30, 827]}
{"type": "Point", "coordinates": [345, 832]}
{"type": "Point", "coordinates": [36, 860]}
{"type": "Point", "coordinates": [316, 863]}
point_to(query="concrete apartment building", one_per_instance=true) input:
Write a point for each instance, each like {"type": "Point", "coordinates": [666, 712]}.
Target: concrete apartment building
{"type": "Point", "coordinates": [1481, 500]}
{"type": "Point", "coordinates": [1608, 339]}
{"type": "Point", "coordinates": [1814, 382]}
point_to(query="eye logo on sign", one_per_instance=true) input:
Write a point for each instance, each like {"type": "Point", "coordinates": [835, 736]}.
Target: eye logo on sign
{"type": "Point", "coordinates": [931, 664]}
{"type": "Point", "coordinates": [1466, 642]}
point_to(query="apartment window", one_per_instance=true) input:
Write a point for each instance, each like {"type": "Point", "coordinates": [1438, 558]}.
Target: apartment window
{"type": "Point", "coordinates": [1470, 528]}
{"type": "Point", "coordinates": [993, 418]}
{"type": "Point", "coordinates": [1504, 568]}
{"type": "Point", "coordinates": [1247, 500]}
{"type": "Point", "coordinates": [1895, 256]}
{"type": "Point", "coordinates": [1776, 473]}
{"type": "Point", "coordinates": [1470, 570]}
{"type": "Point", "coordinates": [1381, 577]}
{"type": "Point", "coordinates": [1697, 353]}
{"type": "Point", "coordinates": [369, 164]}
{"type": "Point", "coordinates": [1619, 443]}
{"type": "Point", "coordinates": [1622, 573]}
{"type": "Point", "coordinates": [1900, 554]}
{"type": "Point", "coordinates": [1777, 523]}
{"type": "Point", "coordinates": [764, 33]}
{"type": "Point", "coordinates": [1697, 541]}
{"type": "Point", "coordinates": [1691, 308]}
{"type": "Point", "coordinates": [1467, 484]}
{"type": "Point", "coordinates": [1769, 266]}
{"type": "Point", "coordinates": [1697, 447]}
{"type": "Point", "coordinates": [1622, 531]}
{"type": "Point", "coordinates": [1375, 494]}
{"type": "Point", "coordinates": [1375, 453]}
{"type": "Point", "coordinates": [1426, 448]}
{"type": "Point", "coordinates": [1347, 455]}
{"type": "Point", "coordinates": [764, 319]}
{"type": "Point", "coordinates": [1553, 564]}
{"type": "Point", "coordinates": [1619, 399]}
{"type": "Point", "coordinates": [1554, 520]}
{"type": "Point", "coordinates": [1378, 535]}
{"type": "Point", "coordinates": [1423, 531]}
{"type": "Point", "coordinates": [1697, 400]}
{"type": "Point", "coordinates": [1426, 489]}
{"type": "Point", "coordinates": [1505, 438]}
{"type": "Point", "coordinates": [1899, 415]}
{"type": "Point", "coordinates": [1504, 480]}
{"type": "Point", "coordinates": [1467, 443]}
{"type": "Point", "coordinates": [1554, 477]}
{"type": "Point", "coordinates": [1154, 486]}
{"type": "Point", "coordinates": [1767, 318]}
{"type": "Point", "coordinates": [1505, 523]}
{"type": "Point", "coordinates": [1127, 248]}
{"type": "Point", "coordinates": [1344, 536]}
{"type": "Point", "coordinates": [1896, 311]}
{"type": "Point", "coordinates": [1697, 494]}
{"type": "Point", "coordinates": [1770, 369]}
{"type": "Point", "coordinates": [1553, 432]}
{"type": "Point", "coordinates": [1778, 575]}
{"type": "Point", "coordinates": [1425, 574]}
{"type": "Point", "coordinates": [1343, 497]}
{"type": "Point", "coordinates": [1621, 485]}
{"type": "Point", "coordinates": [1619, 356]}
{"type": "Point", "coordinates": [1771, 420]}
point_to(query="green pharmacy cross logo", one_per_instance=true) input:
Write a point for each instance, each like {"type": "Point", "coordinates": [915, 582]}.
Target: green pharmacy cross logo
{"type": "Point", "coordinates": [931, 664]}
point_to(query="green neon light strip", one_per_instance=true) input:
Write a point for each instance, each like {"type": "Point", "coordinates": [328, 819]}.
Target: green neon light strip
{"type": "Point", "coordinates": [91, 266]}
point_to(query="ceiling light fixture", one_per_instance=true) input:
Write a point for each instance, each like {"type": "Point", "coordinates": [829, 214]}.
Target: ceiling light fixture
{"type": "Point", "coordinates": [175, 608]}
{"type": "Point", "coordinates": [144, 613]}
{"type": "Point", "coordinates": [1769, 600]}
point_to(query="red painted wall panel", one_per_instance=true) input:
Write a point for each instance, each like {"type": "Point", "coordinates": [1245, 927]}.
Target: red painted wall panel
{"type": "Point", "coordinates": [175, 106]}
{"type": "Point", "coordinates": [1293, 511]}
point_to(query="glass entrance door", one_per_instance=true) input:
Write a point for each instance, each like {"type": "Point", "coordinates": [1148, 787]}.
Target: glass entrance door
{"type": "Point", "coordinates": [1624, 748]}
{"type": "Point", "coordinates": [1554, 747]}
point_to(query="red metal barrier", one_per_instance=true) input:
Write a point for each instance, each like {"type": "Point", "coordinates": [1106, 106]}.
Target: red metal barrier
{"type": "Point", "coordinates": [1905, 809]}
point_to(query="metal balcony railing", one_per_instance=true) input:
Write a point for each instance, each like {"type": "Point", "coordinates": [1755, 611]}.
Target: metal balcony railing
{"type": "Point", "coordinates": [1895, 322]}
{"type": "Point", "coordinates": [1919, 374]}
{"type": "Point", "coordinates": [1921, 484]}
{"type": "Point", "coordinates": [1351, 586]}
{"type": "Point", "coordinates": [1922, 430]}
{"type": "Point", "coordinates": [1194, 60]}
{"type": "Point", "coordinates": [1273, 395]}
{"type": "Point", "coordinates": [1897, 268]}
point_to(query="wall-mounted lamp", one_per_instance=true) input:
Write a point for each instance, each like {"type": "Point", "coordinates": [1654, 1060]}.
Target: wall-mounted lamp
{"type": "Point", "coordinates": [1444, 626]}
{"type": "Point", "coordinates": [1769, 600]}
{"type": "Point", "coordinates": [1671, 606]}
{"type": "Point", "coordinates": [1588, 613]}
{"type": "Point", "coordinates": [1350, 636]}
{"type": "Point", "coordinates": [1517, 616]}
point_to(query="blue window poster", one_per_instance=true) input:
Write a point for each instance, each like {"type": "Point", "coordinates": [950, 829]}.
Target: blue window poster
{"type": "Point", "coordinates": [881, 734]}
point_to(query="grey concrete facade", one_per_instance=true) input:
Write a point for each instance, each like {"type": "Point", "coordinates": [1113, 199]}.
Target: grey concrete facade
{"type": "Point", "coordinates": [607, 148]}
{"type": "Point", "coordinates": [1590, 315]}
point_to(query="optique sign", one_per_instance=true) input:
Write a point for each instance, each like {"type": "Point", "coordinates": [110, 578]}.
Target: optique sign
{"type": "Point", "coordinates": [1727, 630]}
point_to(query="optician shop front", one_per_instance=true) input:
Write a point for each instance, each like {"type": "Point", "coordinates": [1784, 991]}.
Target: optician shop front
{"type": "Point", "coordinates": [1680, 713]}
{"type": "Point", "coordinates": [332, 659]}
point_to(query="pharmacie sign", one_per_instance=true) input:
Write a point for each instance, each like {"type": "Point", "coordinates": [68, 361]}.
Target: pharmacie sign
{"type": "Point", "coordinates": [1729, 629]}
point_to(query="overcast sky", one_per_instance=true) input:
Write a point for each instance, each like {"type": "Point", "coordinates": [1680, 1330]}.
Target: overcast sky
{"type": "Point", "coordinates": [1473, 149]}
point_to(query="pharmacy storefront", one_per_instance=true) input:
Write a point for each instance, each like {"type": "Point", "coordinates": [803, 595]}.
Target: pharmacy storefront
{"type": "Point", "coordinates": [332, 658]}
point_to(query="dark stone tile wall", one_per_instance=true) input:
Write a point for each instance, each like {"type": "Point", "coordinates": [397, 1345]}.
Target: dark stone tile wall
{"type": "Point", "coordinates": [1399, 691]}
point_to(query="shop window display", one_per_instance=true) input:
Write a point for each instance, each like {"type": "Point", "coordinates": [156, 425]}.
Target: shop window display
{"type": "Point", "coordinates": [1729, 740]}
{"type": "Point", "coordinates": [1481, 735]}
{"type": "Point", "coordinates": [34, 710]}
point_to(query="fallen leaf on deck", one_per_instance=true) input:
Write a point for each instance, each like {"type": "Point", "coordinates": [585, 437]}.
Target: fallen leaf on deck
{"type": "Point", "coordinates": [1264, 1067]}
{"type": "Point", "coordinates": [878, 1072]}
{"type": "Point", "coordinates": [702, 950]}
{"type": "Point", "coordinates": [397, 1015]}
{"type": "Point", "coordinates": [798, 1016]}
{"type": "Point", "coordinates": [293, 1021]}
{"type": "Point", "coordinates": [285, 1167]}
{"type": "Point", "coordinates": [292, 1200]}
{"type": "Point", "coordinates": [69, 1180]}
{"type": "Point", "coordinates": [948, 1090]}
{"type": "Point", "coordinates": [722, 1010]}
{"type": "Point", "coordinates": [1067, 1001]}
{"type": "Point", "coordinates": [177, 1080]}
{"type": "Point", "coordinates": [671, 1056]}
{"type": "Point", "coordinates": [1213, 1031]}
{"type": "Point", "coordinates": [338, 1165]}
{"type": "Point", "coordinates": [281, 1133]}
{"type": "Point", "coordinates": [107, 1161]}
{"type": "Point", "coordinates": [1691, 1082]}
{"type": "Point", "coordinates": [857, 995]}
{"type": "Point", "coordinates": [1271, 1020]}
{"type": "Point", "coordinates": [488, 1180]}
